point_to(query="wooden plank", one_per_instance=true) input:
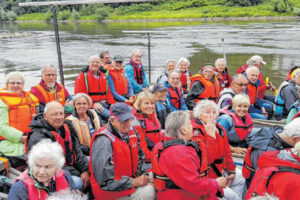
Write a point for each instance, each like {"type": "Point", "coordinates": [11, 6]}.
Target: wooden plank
{"type": "Point", "coordinates": [49, 3]}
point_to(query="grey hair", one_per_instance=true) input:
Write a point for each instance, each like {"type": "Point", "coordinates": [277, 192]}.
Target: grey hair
{"type": "Point", "coordinates": [103, 53]}
{"type": "Point", "coordinates": [207, 66]}
{"type": "Point", "coordinates": [47, 149]}
{"type": "Point", "coordinates": [219, 60]}
{"type": "Point", "coordinates": [93, 56]}
{"type": "Point", "coordinates": [14, 75]}
{"type": "Point", "coordinates": [170, 60]}
{"type": "Point", "coordinates": [292, 128]}
{"type": "Point", "coordinates": [240, 99]}
{"type": "Point", "coordinates": [175, 121]}
{"type": "Point", "coordinates": [48, 67]}
{"type": "Point", "coordinates": [183, 59]}
{"type": "Point", "coordinates": [204, 104]}
{"type": "Point", "coordinates": [135, 51]}
{"type": "Point", "coordinates": [82, 95]}
{"type": "Point", "coordinates": [173, 71]}
{"type": "Point", "coordinates": [50, 104]}
{"type": "Point", "coordinates": [68, 195]}
{"type": "Point", "coordinates": [265, 197]}
{"type": "Point", "coordinates": [250, 68]}
{"type": "Point", "coordinates": [297, 73]}
{"type": "Point", "coordinates": [236, 77]}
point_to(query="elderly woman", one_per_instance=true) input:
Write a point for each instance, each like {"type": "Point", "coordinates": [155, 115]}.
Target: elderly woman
{"type": "Point", "coordinates": [84, 120]}
{"type": "Point", "coordinates": [44, 175]}
{"type": "Point", "coordinates": [146, 124]}
{"type": "Point", "coordinates": [237, 123]}
{"type": "Point", "coordinates": [174, 92]}
{"type": "Point", "coordinates": [170, 65]}
{"type": "Point", "coordinates": [183, 65]}
{"type": "Point", "coordinates": [222, 74]}
{"type": "Point", "coordinates": [218, 151]}
{"type": "Point", "coordinates": [204, 86]}
{"type": "Point", "coordinates": [17, 107]}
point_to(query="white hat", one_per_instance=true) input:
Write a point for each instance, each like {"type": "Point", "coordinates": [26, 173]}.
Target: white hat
{"type": "Point", "coordinates": [258, 59]}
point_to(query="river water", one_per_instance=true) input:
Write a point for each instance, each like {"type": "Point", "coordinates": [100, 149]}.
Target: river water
{"type": "Point", "coordinates": [27, 46]}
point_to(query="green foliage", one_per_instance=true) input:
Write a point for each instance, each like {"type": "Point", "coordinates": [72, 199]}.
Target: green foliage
{"type": "Point", "coordinates": [296, 11]}
{"type": "Point", "coordinates": [282, 6]}
{"type": "Point", "coordinates": [101, 13]}
{"type": "Point", "coordinates": [11, 16]}
{"type": "Point", "coordinates": [64, 15]}
{"type": "Point", "coordinates": [242, 2]}
{"type": "Point", "coordinates": [3, 15]}
{"type": "Point", "coordinates": [75, 15]}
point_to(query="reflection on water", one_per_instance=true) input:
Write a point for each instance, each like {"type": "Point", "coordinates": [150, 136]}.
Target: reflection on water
{"type": "Point", "coordinates": [277, 42]}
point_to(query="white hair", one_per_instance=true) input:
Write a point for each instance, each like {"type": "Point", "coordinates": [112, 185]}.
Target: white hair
{"type": "Point", "coordinates": [292, 128]}
{"type": "Point", "coordinates": [93, 56]}
{"type": "Point", "coordinates": [173, 71]}
{"type": "Point", "coordinates": [48, 67]}
{"type": "Point", "coordinates": [250, 68]}
{"type": "Point", "coordinates": [14, 75]}
{"type": "Point", "coordinates": [170, 60]}
{"type": "Point", "coordinates": [82, 95]}
{"type": "Point", "coordinates": [236, 77]}
{"type": "Point", "coordinates": [204, 104]}
{"type": "Point", "coordinates": [46, 149]}
{"type": "Point", "coordinates": [175, 121]}
{"type": "Point", "coordinates": [220, 60]}
{"type": "Point", "coordinates": [68, 195]}
{"type": "Point", "coordinates": [135, 51]}
{"type": "Point", "coordinates": [183, 59]}
{"type": "Point", "coordinates": [240, 99]}
{"type": "Point", "coordinates": [50, 104]}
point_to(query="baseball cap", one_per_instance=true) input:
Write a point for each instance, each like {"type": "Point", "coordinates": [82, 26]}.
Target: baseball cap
{"type": "Point", "coordinates": [159, 88]}
{"type": "Point", "coordinates": [121, 111]}
{"type": "Point", "coordinates": [118, 58]}
{"type": "Point", "coordinates": [258, 59]}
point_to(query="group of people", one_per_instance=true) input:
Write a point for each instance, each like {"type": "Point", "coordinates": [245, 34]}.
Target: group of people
{"type": "Point", "coordinates": [121, 140]}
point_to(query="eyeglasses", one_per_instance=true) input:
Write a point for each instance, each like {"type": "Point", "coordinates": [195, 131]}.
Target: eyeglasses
{"type": "Point", "coordinates": [205, 71]}
{"type": "Point", "coordinates": [49, 75]}
{"type": "Point", "coordinates": [57, 114]}
{"type": "Point", "coordinates": [79, 104]}
{"type": "Point", "coordinates": [15, 83]}
{"type": "Point", "coordinates": [241, 84]}
{"type": "Point", "coordinates": [120, 62]}
{"type": "Point", "coordinates": [94, 62]}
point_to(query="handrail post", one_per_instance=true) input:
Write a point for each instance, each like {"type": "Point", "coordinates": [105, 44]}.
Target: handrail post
{"type": "Point", "coordinates": [149, 56]}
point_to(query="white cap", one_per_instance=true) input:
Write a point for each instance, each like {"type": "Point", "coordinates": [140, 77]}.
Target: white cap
{"type": "Point", "coordinates": [258, 59]}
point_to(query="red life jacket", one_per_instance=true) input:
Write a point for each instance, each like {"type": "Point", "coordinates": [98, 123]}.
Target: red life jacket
{"type": "Point", "coordinates": [96, 87]}
{"type": "Point", "coordinates": [252, 93]}
{"type": "Point", "coordinates": [19, 107]}
{"type": "Point", "coordinates": [175, 96]}
{"type": "Point", "coordinates": [297, 115]}
{"type": "Point", "coordinates": [35, 193]}
{"type": "Point", "coordinates": [120, 80]}
{"type": "Point", "coordinates": [225, 79]}
{"type": "Point", "coordinates": [269, 165]}
{"type": "Point", "coordinates": [247, 165]}
{"type": "Point", "coordinates": [241, 129]}
{"type": "Point", "coordinates": [159, 178]}
{"type": "Point", "coordinates": [125, 159]}
{"type": "Point", "coordinates": [211, 88]}
{"type": "Point", "coordinates": [183, 81]}
{"type": "Point", "coordinates": [138, 72]}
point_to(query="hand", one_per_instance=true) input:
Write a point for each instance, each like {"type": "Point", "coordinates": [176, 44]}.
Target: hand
{"type": "Point", "coordinates": [23, 138]}
{"type": "Point", "coordinates": [239, 150]}
{"type": "Point", "coordinates": [271, 86]}
{"type": "Point", "coordinates": [230, 179]}
{"type": "Point", "coordinates": [222, 182]}
{"type": "Point", "coordinates": [132, 99]}
{"type": "Point", "coordinates": [68, 102]}
{"type": "Point", "coordinates": [140, 181]}
{"type": "Point", "coordinates": [263, 110]}
{"type": "Point", "coordinates": [98, 107]}
{"type": "Point", "coordinates": [85, 177]}
{"type": "Point", "coordinates": [210, 127]}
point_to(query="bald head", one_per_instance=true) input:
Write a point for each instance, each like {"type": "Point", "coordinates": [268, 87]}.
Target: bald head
{"type": "Point", "coordinates": [54, 114]}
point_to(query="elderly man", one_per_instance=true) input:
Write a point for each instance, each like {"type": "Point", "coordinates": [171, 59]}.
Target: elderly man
{"type": "Point", "coordinates": [51, 125]}
{"type": "Point", "coordinates": [204, 86]}
{"type": "Point", "coordinates": [238, 86]}
{"type": "Point", "coordinates": [259, 109]}
{"type": "Point", "coordinates": [267, 139]}
{"type": "Point", "coordinates": [92, 81]}
{"type": "Point", "coordinates": [162, 106]}
{"type": "Point", "coordinates": [121, 88]}
{"type": "Point", "coordinates": [287, 95]}
{"type": "Point", "coordinates": [179, 165]}
{"type": "Point", "coordinates": [49, 89]}
{"type": "Point", "coordinates": [117, 164]}
{"type": "Point", "coordinates": [136, 73]}
{"type": "Point", "coordinates": [175, 92]}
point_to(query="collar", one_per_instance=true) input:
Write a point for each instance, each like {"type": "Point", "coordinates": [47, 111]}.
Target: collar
{"type": "Point", "coordinates": [117, 133]}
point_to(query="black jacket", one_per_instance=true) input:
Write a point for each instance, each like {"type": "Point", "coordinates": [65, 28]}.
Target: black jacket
{"type": "Point", "coordinates": [41, 130]}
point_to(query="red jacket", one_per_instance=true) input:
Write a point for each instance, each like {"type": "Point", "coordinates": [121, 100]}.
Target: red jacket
{"type": "Point", "coordinates": [175, 97]}
{"type": "Point", "coordinates": [149, 130]}
{"type": "Point", "coordinates": [218, 150]}
{"type": "Point", "coordinates": [225, 79]}
{"type": "Point", "coordinates": [38, 193]}
{"type": "Point", "coordinates": [274, 176]}
{"type": "Point", "coordinates": [183, 79]}
{"type": "Point", "coordinates": [242, 129]}
{"type": "Point", "coordinates": [181, 164]}
{"type": "Point", "coordinates": [96, 88]}
{"type": "Point", "coordinates": [44, 96]}
{"type": "Point", "coordinates": [211, 88]}
{"type": "Point", "coordinates": [125, 159]}
{"type": "Point", "coordinates": [262, 86]}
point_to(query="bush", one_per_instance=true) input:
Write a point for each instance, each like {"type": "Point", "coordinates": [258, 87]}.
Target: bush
{"type": "Point", "coordinates": [242, 2]}
{"type": "Point", "coordinates": [101, 13]}
{"type": "Point", "coordinates": [281, 6]}
{"type": "Point", "coordinates": [63, 15]}
{"type": "Point", "coordinates": [297, 11]}
{"type": "Point", "coordinates": [11, 16]}
{"type": "Point", "coordinates": [75, 15]}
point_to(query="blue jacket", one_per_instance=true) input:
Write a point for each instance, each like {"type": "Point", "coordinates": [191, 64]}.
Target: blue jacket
{"type": "Point", "coordinates": [116, 96]}
{"type": "Point", "coordinates": [130, 74]}
{"type": "Point", "coordinates": [172, 107]}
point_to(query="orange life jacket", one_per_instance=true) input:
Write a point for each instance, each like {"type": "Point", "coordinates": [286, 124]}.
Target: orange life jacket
{"type": "Point", "coordinates": [38, 193]}
{"type": "Point", "coordinates": [125, 159]}
{"type": "Point", "coordinates": [53, 96]}
{"type": "Point", "coordinates": [241, 129]}
{"type": "Point", "coordinates": [120, 80]}
{"type": "Point", "coordinates": [159, 178]}
{"type": "Point", "coordinates": [211, 88]}
{"type": "Point", "coordinates": [252, 92]}
{"type": "Point", "coordinates": [175, 96]}
{"type": "Point", "coordinates": [20, 109]}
